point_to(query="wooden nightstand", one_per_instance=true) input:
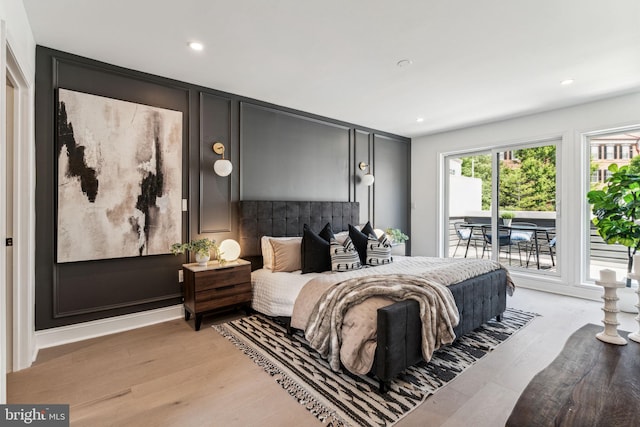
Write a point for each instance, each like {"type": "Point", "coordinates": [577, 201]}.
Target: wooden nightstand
{"type": "Point", "coordinates": [215, 286]}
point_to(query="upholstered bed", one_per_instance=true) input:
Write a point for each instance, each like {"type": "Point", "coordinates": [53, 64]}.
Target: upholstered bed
{"type": "Point", "coordinates": [399, 326]}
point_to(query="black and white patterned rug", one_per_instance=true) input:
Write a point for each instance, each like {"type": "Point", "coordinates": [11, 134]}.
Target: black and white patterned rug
{"type": "Point", "coordinates": [343, 399]}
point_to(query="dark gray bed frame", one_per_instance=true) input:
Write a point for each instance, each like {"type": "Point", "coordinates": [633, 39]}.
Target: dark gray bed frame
{"type": "Point", "coordinates": [399, 326]}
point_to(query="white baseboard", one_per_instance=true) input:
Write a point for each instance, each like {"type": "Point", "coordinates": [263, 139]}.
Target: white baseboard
{"type": "Point", "coordinates": [82, 331]}
{"type": "Point", "coordinates": [555, 286]}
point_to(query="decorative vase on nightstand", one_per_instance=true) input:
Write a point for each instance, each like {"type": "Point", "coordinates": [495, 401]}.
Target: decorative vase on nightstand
{"type": "Point", "coordinates": [202, 259]}
{"type": "Point", "coordinates": [201, 248]}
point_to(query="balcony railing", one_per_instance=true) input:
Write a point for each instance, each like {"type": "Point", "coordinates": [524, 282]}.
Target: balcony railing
{"type": "Point", "coordinates": [601, 254]}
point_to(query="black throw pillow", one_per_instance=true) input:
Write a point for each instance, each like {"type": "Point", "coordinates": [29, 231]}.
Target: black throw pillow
{"type": "Point", "coordinates": [368, 230]}
{"type": "Point", "coordinates": [316, 256]}
{"type": "Point", "coordinates": [359, 240]}
{"type": "Point", "coordinates": [327, 232]}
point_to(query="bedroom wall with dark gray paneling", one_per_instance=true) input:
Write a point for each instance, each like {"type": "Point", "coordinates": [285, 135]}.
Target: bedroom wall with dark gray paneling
{"type": "Point", "coordinates": [289, 156]}
{"type": "Point", "coordinates": [392, 184]}
{"type": "Point", "coordinates": [363, 193]}
{"type": "Point", "coordinates": [277, 153]}
{"type": "Point", "coordinates": [215, 192]}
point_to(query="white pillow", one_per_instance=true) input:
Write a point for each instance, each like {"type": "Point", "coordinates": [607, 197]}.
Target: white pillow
{"type": "Point", "coordinates": [379, 251]}
{"type": "Point", "coordinates": [267, 249]}
{"type": "Point", "coordinates": [341, 236]}
{"type": "Point", "coordinates": [344, 257]}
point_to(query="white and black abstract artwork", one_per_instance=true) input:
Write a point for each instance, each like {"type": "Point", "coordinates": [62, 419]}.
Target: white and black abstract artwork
{"type": "Point", "coordinates": [119, 178]}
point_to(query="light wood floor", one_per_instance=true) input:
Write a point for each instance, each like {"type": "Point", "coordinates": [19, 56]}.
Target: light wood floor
{"type": "Point", "coordinates": [169, 375]}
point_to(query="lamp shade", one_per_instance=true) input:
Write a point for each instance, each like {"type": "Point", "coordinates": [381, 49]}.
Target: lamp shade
{"type": "Point", "coordinates": [368, 179]}
{"type": "Point", "coordinates": [222, 167]}
{"type": "Point", "coordinates": [230, 249]}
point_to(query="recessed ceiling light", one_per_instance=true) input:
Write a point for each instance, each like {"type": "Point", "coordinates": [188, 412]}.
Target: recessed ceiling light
{"type": "Point", "coordinates": [196, 45]}
{"type": "Point", "coordinates": [404, 63]}
{"type": "Point", "coordinates": [566, 82]}
{"type": "Point", "coordinates": [420, 119]}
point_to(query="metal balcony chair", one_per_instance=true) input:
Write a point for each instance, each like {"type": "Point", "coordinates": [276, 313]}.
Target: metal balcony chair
{"type": "Point", "coordinates": [545, 246]}
{"type": "Point", "coordinates": [504, 239]}
{"type": "Point", "coordinates": [523, 239]}
{"type": "Point", "coordinates": [467, 236]}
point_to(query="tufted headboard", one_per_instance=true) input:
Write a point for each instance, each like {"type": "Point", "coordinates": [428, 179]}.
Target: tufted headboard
{"type": "Point", "coordinates": [286, 218]}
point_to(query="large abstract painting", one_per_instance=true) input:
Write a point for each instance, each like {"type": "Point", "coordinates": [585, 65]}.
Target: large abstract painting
{"type": "Point", "coordinates": [119, 178]}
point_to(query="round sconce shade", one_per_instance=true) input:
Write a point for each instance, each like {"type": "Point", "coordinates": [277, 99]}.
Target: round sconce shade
{"type": "Point", "coordinates": [368, 179]}
{"type": "Point", "coordinates": [222, 167]}
{"type": "Point", "coordinates": [230, 249]}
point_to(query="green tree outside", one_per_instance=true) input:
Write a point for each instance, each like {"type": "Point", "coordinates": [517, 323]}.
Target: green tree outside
{"type": "Point", "coordinates": [526, 184]}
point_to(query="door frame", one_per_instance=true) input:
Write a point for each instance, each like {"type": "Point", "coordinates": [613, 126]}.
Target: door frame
{"type": "Point", "coordinates": [3, 219]}
{"type": "Point", "coordinates": [23, 201]}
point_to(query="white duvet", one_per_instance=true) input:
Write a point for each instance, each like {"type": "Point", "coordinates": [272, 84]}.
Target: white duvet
{"type": "Point", "coordinates": [274, 294]}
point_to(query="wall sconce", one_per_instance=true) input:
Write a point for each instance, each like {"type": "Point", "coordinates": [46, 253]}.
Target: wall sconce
{"type": "Point", "coordinates": [367, 179]}
{"type": "Point", "coordinates": [222, 167]}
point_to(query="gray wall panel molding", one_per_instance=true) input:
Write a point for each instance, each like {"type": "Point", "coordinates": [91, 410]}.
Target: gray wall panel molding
{"type": "Point", "coordinates": [363, 193]}
{"type": "Point", "coordinates": [290, 156]}
{"type": "Point", "coordinates": [215, 191]}
{"type": "Point", "coordinates": [392, 183]}
{"type": "Point", "coordinates": [82, 291]}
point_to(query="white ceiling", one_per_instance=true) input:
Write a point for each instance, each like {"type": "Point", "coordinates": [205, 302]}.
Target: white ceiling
{"type": "Point", "coordinates": [473, 61]}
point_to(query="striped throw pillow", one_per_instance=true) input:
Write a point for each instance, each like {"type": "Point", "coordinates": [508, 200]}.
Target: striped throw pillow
{"type": "Point", "coordinates": [344, 257]}
{"type": "Point", "coordinates": [379, 250]}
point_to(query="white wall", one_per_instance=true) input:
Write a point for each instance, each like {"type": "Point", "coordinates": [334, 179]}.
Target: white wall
{"type": "Point", "coordinates": [19, 35]}
{"type": "Point", "coordinates": [567, 123]}
{"type": "Point", "coordinates": [468, 193]}
{"type": "Point", "coordinates": [17, 53]}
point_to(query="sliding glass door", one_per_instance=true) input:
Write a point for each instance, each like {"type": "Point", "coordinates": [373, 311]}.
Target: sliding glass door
{"type": "Point", "coordinates": [501, 204]}
{"type": "Point", "coordinates": [469, 203]}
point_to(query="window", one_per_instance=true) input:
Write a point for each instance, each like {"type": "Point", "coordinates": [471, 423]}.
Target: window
{"type": "Point", "coordinates": [609, 152]}
{"type": "Point", "coordinates": [625, 152]}
{"type": "Point", "coordinates": [621, 147]}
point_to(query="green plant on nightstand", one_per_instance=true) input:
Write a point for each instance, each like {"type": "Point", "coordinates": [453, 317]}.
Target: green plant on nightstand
{"type": "Point", "coordinates": [201, 248]}
{"type": "Point", "coordinates": [397, 236]}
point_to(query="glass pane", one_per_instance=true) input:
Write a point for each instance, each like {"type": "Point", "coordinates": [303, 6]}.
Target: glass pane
{"type": "Point", "coordinates": [601, 254]}
{"type": "Point", "coordinates": [469, 193]}
{"type": "Point", "coordinates": [609, 152]}
{"type": "Point", "coordinates": [527, 208]}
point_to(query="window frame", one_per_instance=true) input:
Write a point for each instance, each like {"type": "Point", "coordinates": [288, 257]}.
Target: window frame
{"type": "Point", "coordinates": [585, 257]}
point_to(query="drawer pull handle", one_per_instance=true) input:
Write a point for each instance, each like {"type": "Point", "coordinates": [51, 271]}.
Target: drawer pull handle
{"type": "Point", "coordinates": [224, 288]}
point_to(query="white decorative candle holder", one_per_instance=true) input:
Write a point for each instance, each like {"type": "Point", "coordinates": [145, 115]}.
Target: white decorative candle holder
{"type": "Point", "coordinates": [610, 297]}
{"type": "Point", "coordinates": [635, 336]}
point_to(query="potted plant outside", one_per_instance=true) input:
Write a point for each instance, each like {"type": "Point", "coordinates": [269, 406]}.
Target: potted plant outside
{"type": "Point", "coordinates": [507, 217]}
{"type": "Point", "coordinates": [616, 210]}
{"type": "Point", "coordinates": [201, 248]}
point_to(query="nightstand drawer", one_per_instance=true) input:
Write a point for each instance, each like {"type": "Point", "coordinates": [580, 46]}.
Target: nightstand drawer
{"type": "Point", "coordinates": [220, 302]}
{"type": "Point", "coordinates": [222, 277]}
{"type": "Point", "coordinates": [222, 292]}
